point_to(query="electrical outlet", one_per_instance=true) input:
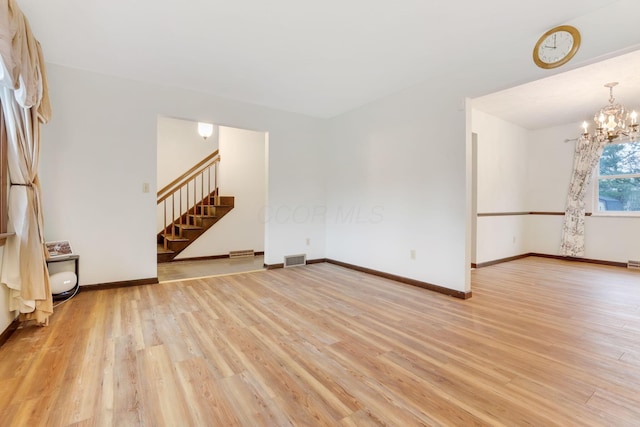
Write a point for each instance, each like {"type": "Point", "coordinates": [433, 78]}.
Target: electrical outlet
{"type": "Point", "coordinates": [145, 187]}
{"type": "Point", "coordinates": [308, 241]}
{"type": "Point", "coordinates": [413, 254]}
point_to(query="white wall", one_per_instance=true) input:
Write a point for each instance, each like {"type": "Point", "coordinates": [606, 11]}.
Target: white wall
{"type": "Point", "coordinates": [396, 186]}
{"type": "Point", "coordinates": [180, 147]}
{"type": "Point", "coordinates": [550, 163]}
{"type": "Point", "coordinates": [100, 146]}
{"type": "Point", "coordinates": [241, 174]}
{"type": "Point", "coordinates": [502, 168]}
{"type": "Point", "coordinates": [501, 237]}
{"type": "Point", "coordinates": [502, 164]}
{"type": "Point", "coordinates": [537, 165]}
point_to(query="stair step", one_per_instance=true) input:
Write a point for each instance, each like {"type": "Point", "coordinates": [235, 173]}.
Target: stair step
{"type": "Point", "coordinates": [188, 227]}
{"type": "Point", "coordinates": [162, 250]}
{"type": "Point", "coordinates": [226, 200]}
{"type": "Point", "coordinates": [171, 238]}
{"type": "Point", "coordinates": [212, 209]}
{"type": "Point", "coordinates": [165, 257]}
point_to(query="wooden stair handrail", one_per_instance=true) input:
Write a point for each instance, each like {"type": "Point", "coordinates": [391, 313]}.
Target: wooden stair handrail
{"type": "Point", "coordinates": [187, 175]}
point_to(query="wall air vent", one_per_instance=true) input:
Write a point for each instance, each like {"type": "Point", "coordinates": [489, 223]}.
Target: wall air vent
{"type": "Point", "coordinates": [295, 260]}
{"type": "Point", "coordinates": [635, 265]}
{"type": "Point", "coordinates": [241, 254]}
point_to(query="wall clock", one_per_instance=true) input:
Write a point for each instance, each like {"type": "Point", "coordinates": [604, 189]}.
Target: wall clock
{"type": "Point", "coordinates": [556, 47]}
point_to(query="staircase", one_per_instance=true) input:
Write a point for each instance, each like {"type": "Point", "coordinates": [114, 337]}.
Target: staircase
{"type": "Point", "coordinates": [197, 191]}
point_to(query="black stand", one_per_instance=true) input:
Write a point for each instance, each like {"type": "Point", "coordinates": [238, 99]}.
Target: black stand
{"type": "Point", "coordinates": [68, 294]}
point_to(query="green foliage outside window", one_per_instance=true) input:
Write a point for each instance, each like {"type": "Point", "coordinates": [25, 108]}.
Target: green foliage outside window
{"type": "Point", "coordinates": [619, 177]}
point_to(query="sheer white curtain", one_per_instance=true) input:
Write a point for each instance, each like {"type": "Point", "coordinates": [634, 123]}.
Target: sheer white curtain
{"type": "Point", "coordinates": [586, 157]}
{"type": "Point", "coordinates": [25, 105]}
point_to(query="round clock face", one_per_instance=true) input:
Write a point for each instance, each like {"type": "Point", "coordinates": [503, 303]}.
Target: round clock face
{"type": "Point", "coordinates": [556, 47]}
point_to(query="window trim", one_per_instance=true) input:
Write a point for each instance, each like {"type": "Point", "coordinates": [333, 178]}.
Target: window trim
{"type": "Point", "coordinates": [596, 190]}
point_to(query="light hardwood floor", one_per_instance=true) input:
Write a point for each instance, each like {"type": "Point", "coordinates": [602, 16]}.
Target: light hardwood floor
{"type": "Point", "coordinates": [542, 342]}
{"type": "Point", "coordinates": [180, 270]}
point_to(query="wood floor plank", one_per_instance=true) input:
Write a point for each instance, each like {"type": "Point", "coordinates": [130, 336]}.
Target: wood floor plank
{"type": "Point", "coordinates": [542, 342]}
{"type": "Point", "coordinates": [210, 343]}
{"type": "Point", "coordinates": [128, 400]}
{"type": "Point", "coordinates": [423, 405]}
{"type": "Point", "coordinates": [315, 390]}
{"type": "Point", "coordinates": [208, 405]}
{"type": "Point", "coordinates": [81, 378]}
{"type": "Point", "coordinates": [164, 397]}
{"type": "Point", "coordinates": [251, 403]}
{"type": "Point", "coordinates": [626, 411]}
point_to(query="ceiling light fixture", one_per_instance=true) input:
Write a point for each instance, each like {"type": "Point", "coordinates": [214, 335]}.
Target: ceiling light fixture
{"type": "Point", "coordinates": [613, 121]}
{"type": "Point", "coordinates": [205, 130]}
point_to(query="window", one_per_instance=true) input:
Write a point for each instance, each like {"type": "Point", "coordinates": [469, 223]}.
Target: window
{"type": "Point", "coordinates": [618, 184]}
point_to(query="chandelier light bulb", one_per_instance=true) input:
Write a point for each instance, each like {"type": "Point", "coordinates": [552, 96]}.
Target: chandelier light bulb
{"type": "Point", "coordinates": [634, 117]}
{"type": "Point", "coordinates": [585, 125]}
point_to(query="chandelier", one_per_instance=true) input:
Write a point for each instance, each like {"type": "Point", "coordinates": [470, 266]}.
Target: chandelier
{"type": "Point", "coordinates": [613, 121]}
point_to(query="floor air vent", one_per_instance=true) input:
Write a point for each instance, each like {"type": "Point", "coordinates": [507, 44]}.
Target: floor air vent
{"type": "Point", "coordinates": [295, 260]}
{"type": "Point", "coordinates": [633, 264]}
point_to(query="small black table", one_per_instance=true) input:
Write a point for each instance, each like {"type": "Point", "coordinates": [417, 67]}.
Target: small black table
{"type": "Point", "coordinates": [67, 294]}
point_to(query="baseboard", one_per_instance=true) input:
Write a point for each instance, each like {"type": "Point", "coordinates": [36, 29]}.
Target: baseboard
{"type": "Point", "coordinates": [406, 280]}
{"type": "Point", "coordinates": [123, 284]}
{"type": "Point", "coordinates": [273, 266]}
{"type": "Point", "coordinates": [499, 261]}
{"type": "Point", "coordinates": [577, 259]}
{"type": "Point", "coordinates": [558, 257]}
{"type": "Point", "coordinates": [483, 214]}
{"type": "Point", "coordinates": [13, 326]}
{"type": "Point", "coordinates": [209, 257]}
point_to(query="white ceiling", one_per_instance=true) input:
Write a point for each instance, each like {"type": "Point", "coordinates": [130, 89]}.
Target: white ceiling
{"type": "Point", "coordinates": [573, 96]}
{"type": "Point", "coordinates": [319, 58]}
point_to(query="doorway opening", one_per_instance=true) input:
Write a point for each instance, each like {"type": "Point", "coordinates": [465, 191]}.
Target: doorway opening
{"type": "Point", "coordinates": [224, 231]}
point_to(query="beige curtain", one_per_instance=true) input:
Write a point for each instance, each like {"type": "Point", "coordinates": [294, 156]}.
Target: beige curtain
{"type": "Point", "coordinates": [586, 157]}
{"type": "Point", "coordinates": [25, 105]}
